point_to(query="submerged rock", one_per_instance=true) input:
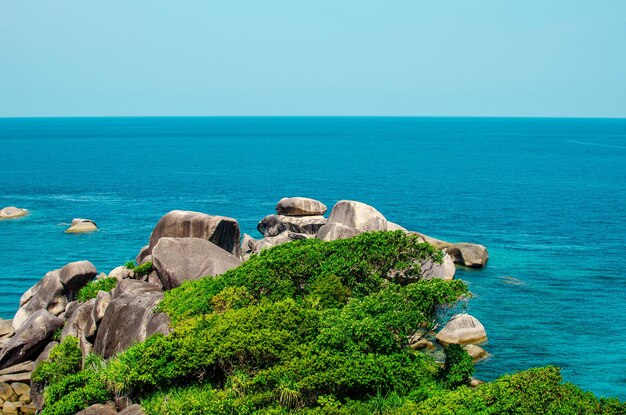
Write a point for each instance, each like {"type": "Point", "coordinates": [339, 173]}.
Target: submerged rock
{"type": "Point", "coordinates": [300, 206]}
{"type": "Point", "coordinates": [357, 215]}
{"type": "Point", "coordinates": [182, 259]}
{"type": "Point", "coordinates": [220, 230]}
{"type": "Point", "coordinates": [130, 317]}
{"type": "Point", "coordinates": [80, 225]}
{"type": "Point", "coordinates": [274, 225]}
{"type": "Point", "coordinates": [12, 212]}
{"type": "Point", "coordinates": [462, 329]}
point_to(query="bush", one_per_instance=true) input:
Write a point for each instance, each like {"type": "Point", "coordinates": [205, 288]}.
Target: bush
{"type": "Point", "coordinates": [458, 368]}
{"type": "Point", "coordinates": [90, 290]}
{"type": "Point", "coordinates": [143, 269]}
{"type": "Point", "coordinates": [65, 358]}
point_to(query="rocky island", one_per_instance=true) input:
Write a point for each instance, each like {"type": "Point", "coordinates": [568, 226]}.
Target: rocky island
{"type": "Point", "coordinates": [346, 314]}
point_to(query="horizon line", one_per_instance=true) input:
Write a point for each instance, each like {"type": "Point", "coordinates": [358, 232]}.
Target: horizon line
{"type": "Point", "coordinates": [315, 116]}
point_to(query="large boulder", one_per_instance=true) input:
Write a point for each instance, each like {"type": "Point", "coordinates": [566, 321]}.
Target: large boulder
{"type": "Point", "coordinates": [30, 339]}
{"type": "Point", "coordinates": [222, 231]}
{"type": "Point", "coordinates": [182, 259]}
{"type": "Point", "coordinates": [6, 328]}
{"type": "Point", "coordinates": [274, 225]}
{"type": "Point", "coordinates": [12, 212]}
{"type": "Point", "coordinates": [54, 290]}
{"type": "Point", "coordinates": [357, 215]}
{"type": "Point", "coordinates": [99, 409]}
{"type": "Point", "coordinates": [300, 206]}
{"type": "Point", "coordinates": [462, 329]}
{"type": "Point", "coordinates": [335, 230]}
{"type": "Point", "coordinates": [80, 225]}
{"type": "Point", "coordinates": [470, 255]}
{"type": "Point", "coordinates": [130, 317]}
{"type": "Point", "coordinates": [444, 271]}
{"type": "Point", "coordinates": [77, 326]}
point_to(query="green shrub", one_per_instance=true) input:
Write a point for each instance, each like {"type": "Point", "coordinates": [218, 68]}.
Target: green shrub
{"type": "Point", "coordinates": [143, 269]}
{"type": "Point", "coordinates": [90, 290]}
{"type": "Point", "coordinates": [458, 368]}
{"type": "Point", "coordinates": [65, 358]}
{"type": "Point", "coordinates": [75, 392]}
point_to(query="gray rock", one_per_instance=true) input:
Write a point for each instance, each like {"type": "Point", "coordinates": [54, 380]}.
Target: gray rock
{"type": "Point", "coordinates": [54, 291]}
{"type": "Point", "coordinates": [274, 225]}
{"type": "Point", "coordinates": [75, 325]}
{"type": "Point", "coordinates": [48, 294]}
{"type": "Point", "coordinates": [395, 227]}
{"type": "Point", "coordinates": [27, 366]}
{"type": "Point", "coordinates": [357, 215]}
{"type": "Point", "coordinates": [6, 328]}
{"type": "Point", "coordinates": [300, 206]}
{"type": "Point", "coordinates": [121, 273]}
{"type": "Point", "coordinates": [130, 317]}
{"type": "Point", "coordinates": [143, 253]}
{"type": "Point", "coordinates": [182, 259]}
{"type": "Point", "coordinates": [333, 231]}
{"type": "Point", "coordinates": [16, 377]}
{"type": "Point", "coordinates": [30, 339]}
{"type": "Point", "coordinates": [283, 238]}
{"type": "Point", "coordinates": [222, 231]}
{"type": "Point", "coordinates": [249, 246]}
{"type": "Point", "coordinates": [70, 308]}
{"type": "Point", "coordinates": [132, 410]}
{"type": "Point", "coordinates": [444, 271]}
{"type": "Point", "coordinates": [98, 409]}
{"type": "Point", "coordinates": [12, 212]}
{"type": "Point", "coordinates": [80, 225]}
{"type": "Point", "coordinates": [462, 329]}
{"type": "Point", "coordinates": [470, 255]}
{"type": "Point", "coordinates": [75, 275]}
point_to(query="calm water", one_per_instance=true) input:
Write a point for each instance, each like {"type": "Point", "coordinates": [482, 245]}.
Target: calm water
{"type": "Point", "coordinates": [547, 196]}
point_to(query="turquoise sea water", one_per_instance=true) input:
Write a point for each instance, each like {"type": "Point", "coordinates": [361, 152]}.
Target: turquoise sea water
{"type": "Point", "coordinates": [546, 196]}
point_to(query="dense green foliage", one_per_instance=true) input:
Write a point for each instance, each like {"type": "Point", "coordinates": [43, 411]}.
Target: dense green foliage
{"type": "Point", "coordinates": [90, 290]}
{"type": "Point", "coordinates": [67, 388]}
{"type": "Point", "coordinates": [458, 368]}
{"type": "Point", "coordinates": [311, 327]}
{"type": "Point", "coordinates": [143, 269]}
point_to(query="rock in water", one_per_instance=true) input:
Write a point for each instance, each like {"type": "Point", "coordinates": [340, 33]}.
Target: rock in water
{"type": "Point", "coordinates": [182, 259]}
{"type": "Point", "coordinates": [274, 225]}
{"type": "Point", "coordinates": [470, 255]}
{"type": "Point", "coordinates": [54, 290]}
{"type": "Point", "coordinates": [335, 230]}
{"type": "Point", "coordinates": [130, 317]}
{"type": "Point", "coordinates": [300, 206]}
{"type": "Point", "coordinates": [12, 212]}
{"type": "Point", "coordinates": [30, 339]}
{"type": "Point", "coordinates": [462, 329]}
{"type": "Point", "coordinates": [80, 225]}
{"type": "Point", "coordinates": [357, 215]}
{"type": "Point", "coordinates": [222, 231]}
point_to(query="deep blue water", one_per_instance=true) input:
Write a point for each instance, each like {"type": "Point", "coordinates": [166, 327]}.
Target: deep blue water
{"type": "Point", "coordinates": [546, 196]}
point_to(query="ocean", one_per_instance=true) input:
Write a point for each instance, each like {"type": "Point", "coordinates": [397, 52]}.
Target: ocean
{"type": "Point", "coordinates": [546, 196]}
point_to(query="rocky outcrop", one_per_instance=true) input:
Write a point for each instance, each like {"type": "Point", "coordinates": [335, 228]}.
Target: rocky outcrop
{"type": "Point", "coordinates": [30, 339]}
{"type": "Point", "coordinates": [300, 206]}
{"type": "Point", "coordinates": [220, 230]}
{"type": "Point", "coordinates": [333, 231]}
{"type": "Point", "coordinates": [249, 246]}
{"type": "Point", "coordinates": [274, 225]}
{"type": "Point", "coordinates": [130, 317]}
{"type": "Point", "coordinates": [182, 259]}
{"type": "Point", "coordinates": [462, 329]}
{"type": "Point", "coordinates": [470, 255]}
{"type": "Point", "coordinates": [54, 291]}
{"type": "Point", "coordinates": [357, 215]}
{"type": "Point", "coordinates": [76, 326]}
{"type": "Point", "coordinates": [17, 373]}
{"type": "Point", "coordinates": [12, 212]}
{"type": "Point", "coordinates": [80, 225]}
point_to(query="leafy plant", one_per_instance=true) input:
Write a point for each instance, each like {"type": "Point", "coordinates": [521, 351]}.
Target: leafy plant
{"type": "Point", "coordinates": [90, 290]}
{"type": "Point", "coordinates": [458, 368]}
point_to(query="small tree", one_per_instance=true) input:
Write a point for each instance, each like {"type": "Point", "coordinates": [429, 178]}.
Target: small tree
{"type": "Point", "coordinates": [458, 369]}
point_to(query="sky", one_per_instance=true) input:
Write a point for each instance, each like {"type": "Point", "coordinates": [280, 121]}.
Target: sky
{"type": "Point", "coordinates": [325, 57]}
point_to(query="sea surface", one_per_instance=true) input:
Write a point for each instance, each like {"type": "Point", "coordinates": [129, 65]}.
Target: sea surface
{"type": "Point", "coordinates": [546, 196]}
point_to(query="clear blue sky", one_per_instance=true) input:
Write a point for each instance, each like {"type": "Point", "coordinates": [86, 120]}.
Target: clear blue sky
{"type": "Point", "coordinates": [323, 57]}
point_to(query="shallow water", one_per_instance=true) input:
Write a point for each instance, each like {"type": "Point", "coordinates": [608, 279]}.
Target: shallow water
{"type": "Point", "coordinates": [546, 196]}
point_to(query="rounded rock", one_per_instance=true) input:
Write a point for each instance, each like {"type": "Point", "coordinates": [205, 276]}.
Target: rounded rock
{"type": "Point", "coordinates": [300, 206]}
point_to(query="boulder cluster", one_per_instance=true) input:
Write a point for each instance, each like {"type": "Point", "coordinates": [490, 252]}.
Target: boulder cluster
{"type": "Point", "coordinates": [183, 246]}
